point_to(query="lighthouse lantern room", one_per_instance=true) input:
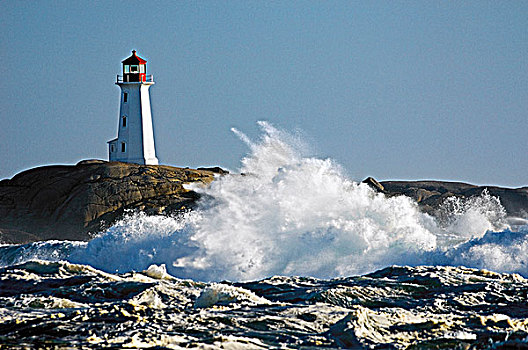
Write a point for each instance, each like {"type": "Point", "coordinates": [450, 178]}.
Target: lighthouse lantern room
{"type": "Point", "coordinates": [134, 69]}
{"type": "Point", "coordinates": [135, 140]}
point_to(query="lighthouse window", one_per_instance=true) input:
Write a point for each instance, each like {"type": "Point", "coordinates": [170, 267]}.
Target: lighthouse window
{"type": "Point", "coordinates": [125, 97]}
{"type": "Point", "coordinates": [127, 68]}
{"type": "Point", "coordinates": [123, 147]}
{"type": "Point", "coordinates": [142, 68]}
{"type": "Point", "coordinates": [124, 121]}
{"type": "Point", "coordinates": [133, 69]}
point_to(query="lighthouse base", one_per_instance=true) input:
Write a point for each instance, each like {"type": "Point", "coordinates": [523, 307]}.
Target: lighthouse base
{"type": "Point", "coordinates": [117, 153]}
{"type": "Point", "coordinates": [143, 161]}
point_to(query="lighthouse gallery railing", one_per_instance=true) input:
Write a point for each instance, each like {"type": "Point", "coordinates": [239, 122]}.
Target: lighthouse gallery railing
{"type": "Point", "coordinates": [148, 79]}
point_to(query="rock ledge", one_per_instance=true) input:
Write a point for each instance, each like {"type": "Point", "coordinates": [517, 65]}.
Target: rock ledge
{"type": "Point", "coordinates": [74, 202]}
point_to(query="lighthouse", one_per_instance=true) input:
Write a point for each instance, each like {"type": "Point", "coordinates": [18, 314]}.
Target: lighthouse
{"type": "Point", "coordinates": [135, 137]}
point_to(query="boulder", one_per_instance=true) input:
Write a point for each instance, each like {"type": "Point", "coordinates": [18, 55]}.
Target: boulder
{"type": "Point", "coordinates": [374, 184]}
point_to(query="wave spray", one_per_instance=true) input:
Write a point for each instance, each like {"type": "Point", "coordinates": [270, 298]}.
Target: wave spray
{"type": "Point", "coordinates": [290, 214]}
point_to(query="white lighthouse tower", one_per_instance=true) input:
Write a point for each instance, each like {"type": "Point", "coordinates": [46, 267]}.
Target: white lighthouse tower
{"type": "Point", "coordinates": [135, 138]}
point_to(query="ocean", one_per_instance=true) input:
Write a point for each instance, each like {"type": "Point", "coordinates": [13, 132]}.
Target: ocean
{"type": "Point", "coordinates": [290, 253]}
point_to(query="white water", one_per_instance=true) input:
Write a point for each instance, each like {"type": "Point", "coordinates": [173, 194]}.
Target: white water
{"type": "Point", "coordinates": [296, 215]}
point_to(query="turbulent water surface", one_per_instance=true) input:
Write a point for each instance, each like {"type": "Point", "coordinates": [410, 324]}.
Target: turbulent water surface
{"type": "Point", "coordinates": [155, 281]}
{"type": "Point", "coordinates": [59, 304]}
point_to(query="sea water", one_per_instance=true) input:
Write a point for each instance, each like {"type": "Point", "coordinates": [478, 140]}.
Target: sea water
{"type": "Point", "coordinates": [279, 255]}
{"type": "Point", "coordinates": [286, 213]}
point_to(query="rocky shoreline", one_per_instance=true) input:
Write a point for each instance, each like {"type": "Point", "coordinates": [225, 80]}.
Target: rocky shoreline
{"type": "Point", "coordinates": [74, 202]}
{"type": "Point", "coordinates": [431, 194]}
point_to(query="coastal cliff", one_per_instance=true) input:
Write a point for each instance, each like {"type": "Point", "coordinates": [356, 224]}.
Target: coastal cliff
{"type": "Point", "coordinates": [77, 201]}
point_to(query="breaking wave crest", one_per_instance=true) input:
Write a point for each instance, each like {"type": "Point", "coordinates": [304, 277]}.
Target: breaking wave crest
{"type": "Point", "coordinates": [504, 251]}
{"type": "Point", "coordinates": [472, 217]}
{"type": "Point", "coordinates": [290, 214]}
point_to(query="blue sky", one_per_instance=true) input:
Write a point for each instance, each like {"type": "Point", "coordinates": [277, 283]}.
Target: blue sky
{"type": "Point", "coordinates": [389, 89]}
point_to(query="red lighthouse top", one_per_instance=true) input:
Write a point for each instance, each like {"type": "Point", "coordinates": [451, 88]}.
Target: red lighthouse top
{"type": "Point", "coordinates": [134, 68]}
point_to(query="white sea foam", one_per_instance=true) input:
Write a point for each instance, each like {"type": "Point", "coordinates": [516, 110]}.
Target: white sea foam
{"type": "Point", "coordinates": [504, 251]}
{"type": "Point", "coordinates": [472, 217]}
{"type": "Point", "coordinates": [224, 294]}
{"type": "Point", "coordinates": [296, 215]}
{"type": "Point", "coordinates": [290, 214]}
{"type": "Point", "coordinates": [138, 241]}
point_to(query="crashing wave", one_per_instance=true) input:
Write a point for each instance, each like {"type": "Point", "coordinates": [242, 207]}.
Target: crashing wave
{"type": "Point", "coordinates": [291, 214]}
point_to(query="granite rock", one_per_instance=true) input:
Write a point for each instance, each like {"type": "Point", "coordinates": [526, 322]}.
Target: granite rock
{"type": "Point", "coordinates": [431, 194]}
{"type": "Point", "coordinates": [75, 202]}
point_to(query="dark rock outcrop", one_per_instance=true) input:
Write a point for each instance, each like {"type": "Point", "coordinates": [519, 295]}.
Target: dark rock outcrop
{"type": "Point", "coordinates": [430, 194]}
{"type": "Point", "coordinates": [216, 170]}
{"type": "Point", "coordinates": [73, 202]}
{"type": "Point", "coordinates": [372, 182]}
